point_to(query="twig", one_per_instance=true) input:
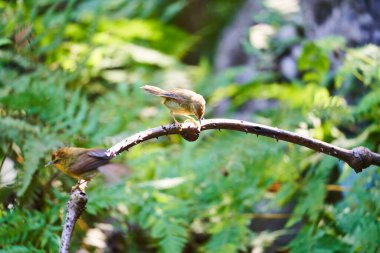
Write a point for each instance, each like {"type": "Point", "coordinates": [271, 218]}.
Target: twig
{"type": "Point", "coordinates": [358, 158]}
{"type": "Point", "coordinates": [75, 206]}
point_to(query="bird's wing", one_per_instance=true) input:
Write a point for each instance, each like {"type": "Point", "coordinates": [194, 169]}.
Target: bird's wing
{"type": "Point", "coordinates": [169, 94]}
{"type": "Point", "coordinates": [88, 162]}
{"type": "Point", "coordinates": [99, 153]}
{"type": "Point", "coordinates": [179, 95]}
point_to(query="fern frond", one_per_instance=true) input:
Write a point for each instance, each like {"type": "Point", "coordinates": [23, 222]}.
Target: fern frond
{"type": "Point", "coordinates": [103, 198]}
{"type": "Point", "coordinates": [34, 149]}
{"type": "Point", "coordinates": [171, 233]}
{"type": "Point", "coordinates": [21, 249]}
{"type": "Point", "coordinates": [23, 228]}
{"type": "Point", "coordinates": [12, 128]}
{"type": "Point", "coordinates": [363, 63]}
{"type": "Point", "coordinates": [369, 103]}
{"type": "Point", "coordinates": [229, 236]}
{"type": "Point", "coordinates": [313, 192]}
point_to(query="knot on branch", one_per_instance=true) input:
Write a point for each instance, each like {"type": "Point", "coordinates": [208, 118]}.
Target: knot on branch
{"type": "Point", "coordinates": [79, 201]}
{"type": "Point", "coordinates": [189, 132]}
{"type": "Point", "coordinates": [361, 159]}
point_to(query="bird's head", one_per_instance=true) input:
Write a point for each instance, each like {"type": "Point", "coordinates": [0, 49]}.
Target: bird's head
{"type": "Point", "coordinates": [63, 156]}
{"type": "Point", "coordinates": [200, 107]}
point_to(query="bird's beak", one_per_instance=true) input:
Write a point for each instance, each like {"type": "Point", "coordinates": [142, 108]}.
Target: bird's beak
{"type": "Point", "coordinates": [200, 121]}
{"type": "Point", "coordinates": [49, 163]}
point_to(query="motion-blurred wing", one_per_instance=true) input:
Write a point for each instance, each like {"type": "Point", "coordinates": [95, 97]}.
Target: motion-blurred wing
{"type": "Point", "coordinates": [90, 161]}
{"type": "Point", "coordinates": [99, 153]}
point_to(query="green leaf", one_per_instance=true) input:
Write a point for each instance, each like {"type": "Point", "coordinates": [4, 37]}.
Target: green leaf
{"type": "Point", "coordinates": [172, 234]}
{"type": "Point", "coordinates": [20, 249]}
{"type": "Point", "coordinates": [34, 149]}
{"type": "Point", "coordinates": [5, 41]}
{"type": "Point", "coordinates": [314, 61]}
{"type": "Point", "coordinates": [229, 236]}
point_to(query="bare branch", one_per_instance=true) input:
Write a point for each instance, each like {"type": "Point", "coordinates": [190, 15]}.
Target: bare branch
{"type": "Point", "coordinates": [75, 206]}
{"type": "Point", "coordinates": [358, 158]}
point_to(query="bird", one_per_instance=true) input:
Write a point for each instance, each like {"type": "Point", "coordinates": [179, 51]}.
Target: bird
{"type": "Point", "coordinates": [79, 163]}
{"type": "Point", "coordinates": [180, 102]}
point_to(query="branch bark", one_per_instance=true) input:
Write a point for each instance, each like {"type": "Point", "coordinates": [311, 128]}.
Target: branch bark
{"type": "Point", "coordinates": [74, 208]}
{"type": "Point", "coordinates": [358, 158]}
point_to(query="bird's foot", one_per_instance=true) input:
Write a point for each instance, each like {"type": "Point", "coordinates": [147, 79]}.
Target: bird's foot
{"type": "Point", "coordinates": [177, 124]}
{"type": "Point", "coordinates": [196, 123]}
{"type": "Point", "coordinates": [81, 185]}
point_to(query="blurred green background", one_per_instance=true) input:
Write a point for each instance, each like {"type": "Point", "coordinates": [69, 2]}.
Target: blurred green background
{"type": "Point", "coordinates": [70, 75]}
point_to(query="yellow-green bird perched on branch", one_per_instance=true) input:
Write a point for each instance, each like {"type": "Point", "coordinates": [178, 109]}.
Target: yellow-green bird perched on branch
{"type": "Point", "coordinates": [79, 163]}
{"type": "Point", "coordinates": [180, 102]}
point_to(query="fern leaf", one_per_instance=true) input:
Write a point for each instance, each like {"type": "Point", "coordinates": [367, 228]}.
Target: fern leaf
{"type": "Point", "coordinates": [369, 103]}
{"type": "Point", "coordinates": [38, 229]}
{"type": "Point", "coordinates": [171, 233]}
{"type": "Point", "coordinates": [20, 249]}
{"type": "Point", "coordinates": [229, 236]}
{"type": "Point", "coordinates": [12, 128]}
{"type": "Point", "coordinates": [34, 149]}
{"type": "Point", "coordinates": [313, 193]}
{"type": "Point", "coordinates": [104, 198]}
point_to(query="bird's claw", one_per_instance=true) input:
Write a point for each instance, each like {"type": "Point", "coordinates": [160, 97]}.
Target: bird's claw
{"type": "Point", "coordinates": [81, 185]}
{"type": "Point", "coordinates": [196, 123]}
{"type": "Point", "coordinates": [177, 124]}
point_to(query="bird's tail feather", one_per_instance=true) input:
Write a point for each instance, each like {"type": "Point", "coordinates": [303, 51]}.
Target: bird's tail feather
{"type": "Point", "coordinates": [154, 90]}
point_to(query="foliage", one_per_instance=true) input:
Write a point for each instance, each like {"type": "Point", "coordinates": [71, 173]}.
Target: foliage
{"type": "Point", "coordinates": [73, 78]}
{"type": "Point", "coordinates": [39, 230]}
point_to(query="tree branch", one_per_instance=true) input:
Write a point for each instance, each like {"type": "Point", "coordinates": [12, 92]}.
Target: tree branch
{"type": "Point", "coordinates": [75, 206]}
{"type": "Point", "coordinates": [358, 158]}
